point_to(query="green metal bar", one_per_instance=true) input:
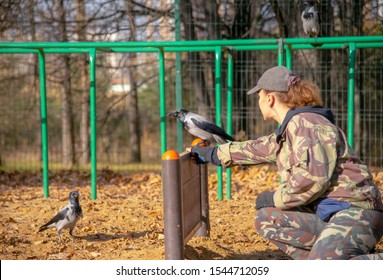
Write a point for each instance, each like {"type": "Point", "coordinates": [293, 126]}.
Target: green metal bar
{"type": "Point", "coordinates": [330, 40]}
{"type": "Point", "coordinates": [229, 121]}
{"type": "Point", "coordinates": [324, 46]}
{"type": "Point", "coordinates": [337, 46]}
{"type": "Point", "coordinates": [256, 48]}
{"type": "Point", "coordinates": [218, 111]}
{"type": "Point", "coordinates": [93, 124]}
{"type": "Point", "coordinates": [218, 85]}
{"type": "Point", "coordinates": [161, 78]}
{"type": "Point", "coordinates": [351, 92]}
{"type": "Point", "coordinates": [289, 57]}
{"type": "Point", "coordinates": [66, 50]}
{"type": "Point", "coordinates": [369, 45]}
{"type": "Point", "coordinates": [18, 51]}
{"type": "Point", "coordinates": [191, 44]}
{"type": "Point", "coordinates": [166, 49]}
{"type": "Point", "coordinates": [177, 20]}
{"type": "Point", "coordinates": [143, 49]}
{"type": "Point", "coordinates": [44, 122]}
{"type": "Point", "coordinates": [281, 51]}
{"type": "Point", "coordinates": [138, 50]}
{"type": "Point", "coordinates": [189, 49]}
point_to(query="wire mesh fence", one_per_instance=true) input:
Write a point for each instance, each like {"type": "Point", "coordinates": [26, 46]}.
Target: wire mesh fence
{"type": "Point", "coordinates": [20, 130]}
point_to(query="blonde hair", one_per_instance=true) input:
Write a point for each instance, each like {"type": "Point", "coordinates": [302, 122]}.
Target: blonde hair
{"type": "Point", "coordinates": [302, 93]}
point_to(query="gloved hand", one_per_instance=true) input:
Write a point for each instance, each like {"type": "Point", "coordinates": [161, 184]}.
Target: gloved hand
{"type": "Point", "coordinates": [199, 154]}
{"type": "Point", "coordinates": [264, 199]}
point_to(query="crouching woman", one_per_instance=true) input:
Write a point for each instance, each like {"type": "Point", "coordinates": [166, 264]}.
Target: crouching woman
{"type": "Point", "coordinates": [327, 205]}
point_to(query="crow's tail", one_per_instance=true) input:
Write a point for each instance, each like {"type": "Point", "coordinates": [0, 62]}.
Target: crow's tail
{"type": "Point", "coordinates": [44, 227]}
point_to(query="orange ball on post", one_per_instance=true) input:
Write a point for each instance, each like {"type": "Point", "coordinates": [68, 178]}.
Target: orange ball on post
{"type": "Point", "coordinates": [170, 155]}
{"type": "Point", "coordinates": [199, 142]}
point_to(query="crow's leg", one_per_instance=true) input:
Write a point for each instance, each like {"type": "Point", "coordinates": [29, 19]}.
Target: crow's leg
{"type": "Point", "coordinates": [58, 233]}
{"type": "Point", "coordinates": [204, 142]}
{"type": "Point", "coordinates": [71, 234]}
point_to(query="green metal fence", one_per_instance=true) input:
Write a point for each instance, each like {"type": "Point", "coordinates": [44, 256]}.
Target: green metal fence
{"type": "Point", "coordinates": [284, 48]}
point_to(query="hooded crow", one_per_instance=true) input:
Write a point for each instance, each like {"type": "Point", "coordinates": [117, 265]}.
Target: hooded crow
{"type": "Point", "coordinates": [67, 217]}
{"type": "Point", "coordinates": [201, 127]}
{"type": "Point", "coordinates": [310, 19]}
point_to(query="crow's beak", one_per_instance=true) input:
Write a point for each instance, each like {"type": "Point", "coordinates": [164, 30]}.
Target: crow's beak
{"type": "Point", "coordinates": [173, 114]}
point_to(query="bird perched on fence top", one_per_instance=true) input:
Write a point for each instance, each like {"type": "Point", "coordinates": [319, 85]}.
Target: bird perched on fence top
{"type": "Point", "coordinates": [67, 217]}
{"type": "Point", "coordinates": [201, 127]}
{"type": "Point", "coordinates": [310, 19]}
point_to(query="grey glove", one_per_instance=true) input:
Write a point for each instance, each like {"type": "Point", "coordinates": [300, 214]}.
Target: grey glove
{"type": "Point", "coordinates": [264, 199]}
{"type": "Point", "coordinates": [201, 155]}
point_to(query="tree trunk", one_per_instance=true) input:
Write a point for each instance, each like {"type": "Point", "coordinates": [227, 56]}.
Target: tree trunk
{"type": "Point", "coordinates": [132, 101]}
{"type": "Point", "coordinates": [324, 57]}
{"type": "Point", "coordinates": [213, 20]}
{"type": "Point", "coordinates": [133, 112]}
{"type": "Point", "coordinates": [283, 29]}
{"type": "Point", "coordinates": [360, 125]}
{"type": "Point", "coordinates": [35, 76]}
{"type": "Point", "coordinates": [84, 85]}
{"type": "Point", "coordinates": [241, 62]}
{"type": "Point", "coordinates": [197, 75]}
{"type": "Point", "coordinates": [68, 157]}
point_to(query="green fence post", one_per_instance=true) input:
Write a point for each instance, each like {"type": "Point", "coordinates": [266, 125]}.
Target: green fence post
{"type": "Point", "coordinates": [281, 51]}
{"type": "Point", "coordinates": [289, 57]}
{"type": "Point", "coordinates": [281, 58]}
{"type": "Point", "coordinates": [93, 123]}
{"type": "Point", "coordinates": [161, 77]}
{"type": "Point", "coordinates": [351, 92]}
{"type": "Point", "coordinates": [229, 122]}
{"type": "Point", "coordinates": [44, 122]}
{"type": "Point", "coordinates": [218, 111]}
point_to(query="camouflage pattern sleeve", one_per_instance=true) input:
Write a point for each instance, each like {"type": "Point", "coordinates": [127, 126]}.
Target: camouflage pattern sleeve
{"type": "Point", "coordinates": [252, 152]}
{"type": "Point", "coordinates": [314, 160]}
{"type": "Point", "coordinates": [310, 155]}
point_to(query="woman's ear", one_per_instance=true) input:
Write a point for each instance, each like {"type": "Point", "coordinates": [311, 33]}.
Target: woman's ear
{"type": "Point", "coordinates": [270, 100]}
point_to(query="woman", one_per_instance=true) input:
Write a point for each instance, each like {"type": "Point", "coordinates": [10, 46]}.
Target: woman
{"type": "Point", "coordinates": [327, 206]}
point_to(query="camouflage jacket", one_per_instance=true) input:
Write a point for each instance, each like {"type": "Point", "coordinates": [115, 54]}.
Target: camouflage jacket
{"type": "Point", "coordinates": [314, 160]}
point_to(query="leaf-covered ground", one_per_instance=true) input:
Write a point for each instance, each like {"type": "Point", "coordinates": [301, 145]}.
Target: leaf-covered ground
{"type": "Point", "coordinates": [126, 220]}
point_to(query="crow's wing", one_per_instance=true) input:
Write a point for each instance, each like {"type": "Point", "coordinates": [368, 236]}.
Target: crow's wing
{"type": "Point", "coordinates": [58, 217]}
{"type": "Point", "coordinates": [212, 128]}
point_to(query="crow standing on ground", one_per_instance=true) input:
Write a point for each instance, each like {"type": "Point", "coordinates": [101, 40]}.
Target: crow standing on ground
{"type": "Point", "coordinates": [201, 127]}
{"type": "Point", "coordinates": [67, 217]}
{"type": "Point", "coordinates": [310, 20]}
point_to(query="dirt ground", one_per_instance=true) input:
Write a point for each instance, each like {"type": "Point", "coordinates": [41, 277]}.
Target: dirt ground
{"type": "Point", "coordinates": [126, 220]}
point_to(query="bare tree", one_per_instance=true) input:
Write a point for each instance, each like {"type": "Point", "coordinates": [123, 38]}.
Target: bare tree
{"type": "Point", "coordinates": [68, 154]}
{"type": "Point", "coordinates": [242, 60]}
{"type": "Point", "coordinates": [360, 124]}
{"type": "Point", "coordinates": [84, 84]}
{"type": "Point", "coordinates": [133, 112]}
{"type": "Point", "coordinates": [197, 75]}
{"type": "Point", "coordinates": [283, 28]}
{"type": "Point", "coordinates": [326, 14]}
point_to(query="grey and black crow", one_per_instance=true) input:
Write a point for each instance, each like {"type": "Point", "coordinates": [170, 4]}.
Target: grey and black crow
{"type": "Point", "coordinates": [67, 217]}
{"type": "Point", "coordinates": [201, 127]}
{"type": "Point", "coordinates": [310, 19]}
